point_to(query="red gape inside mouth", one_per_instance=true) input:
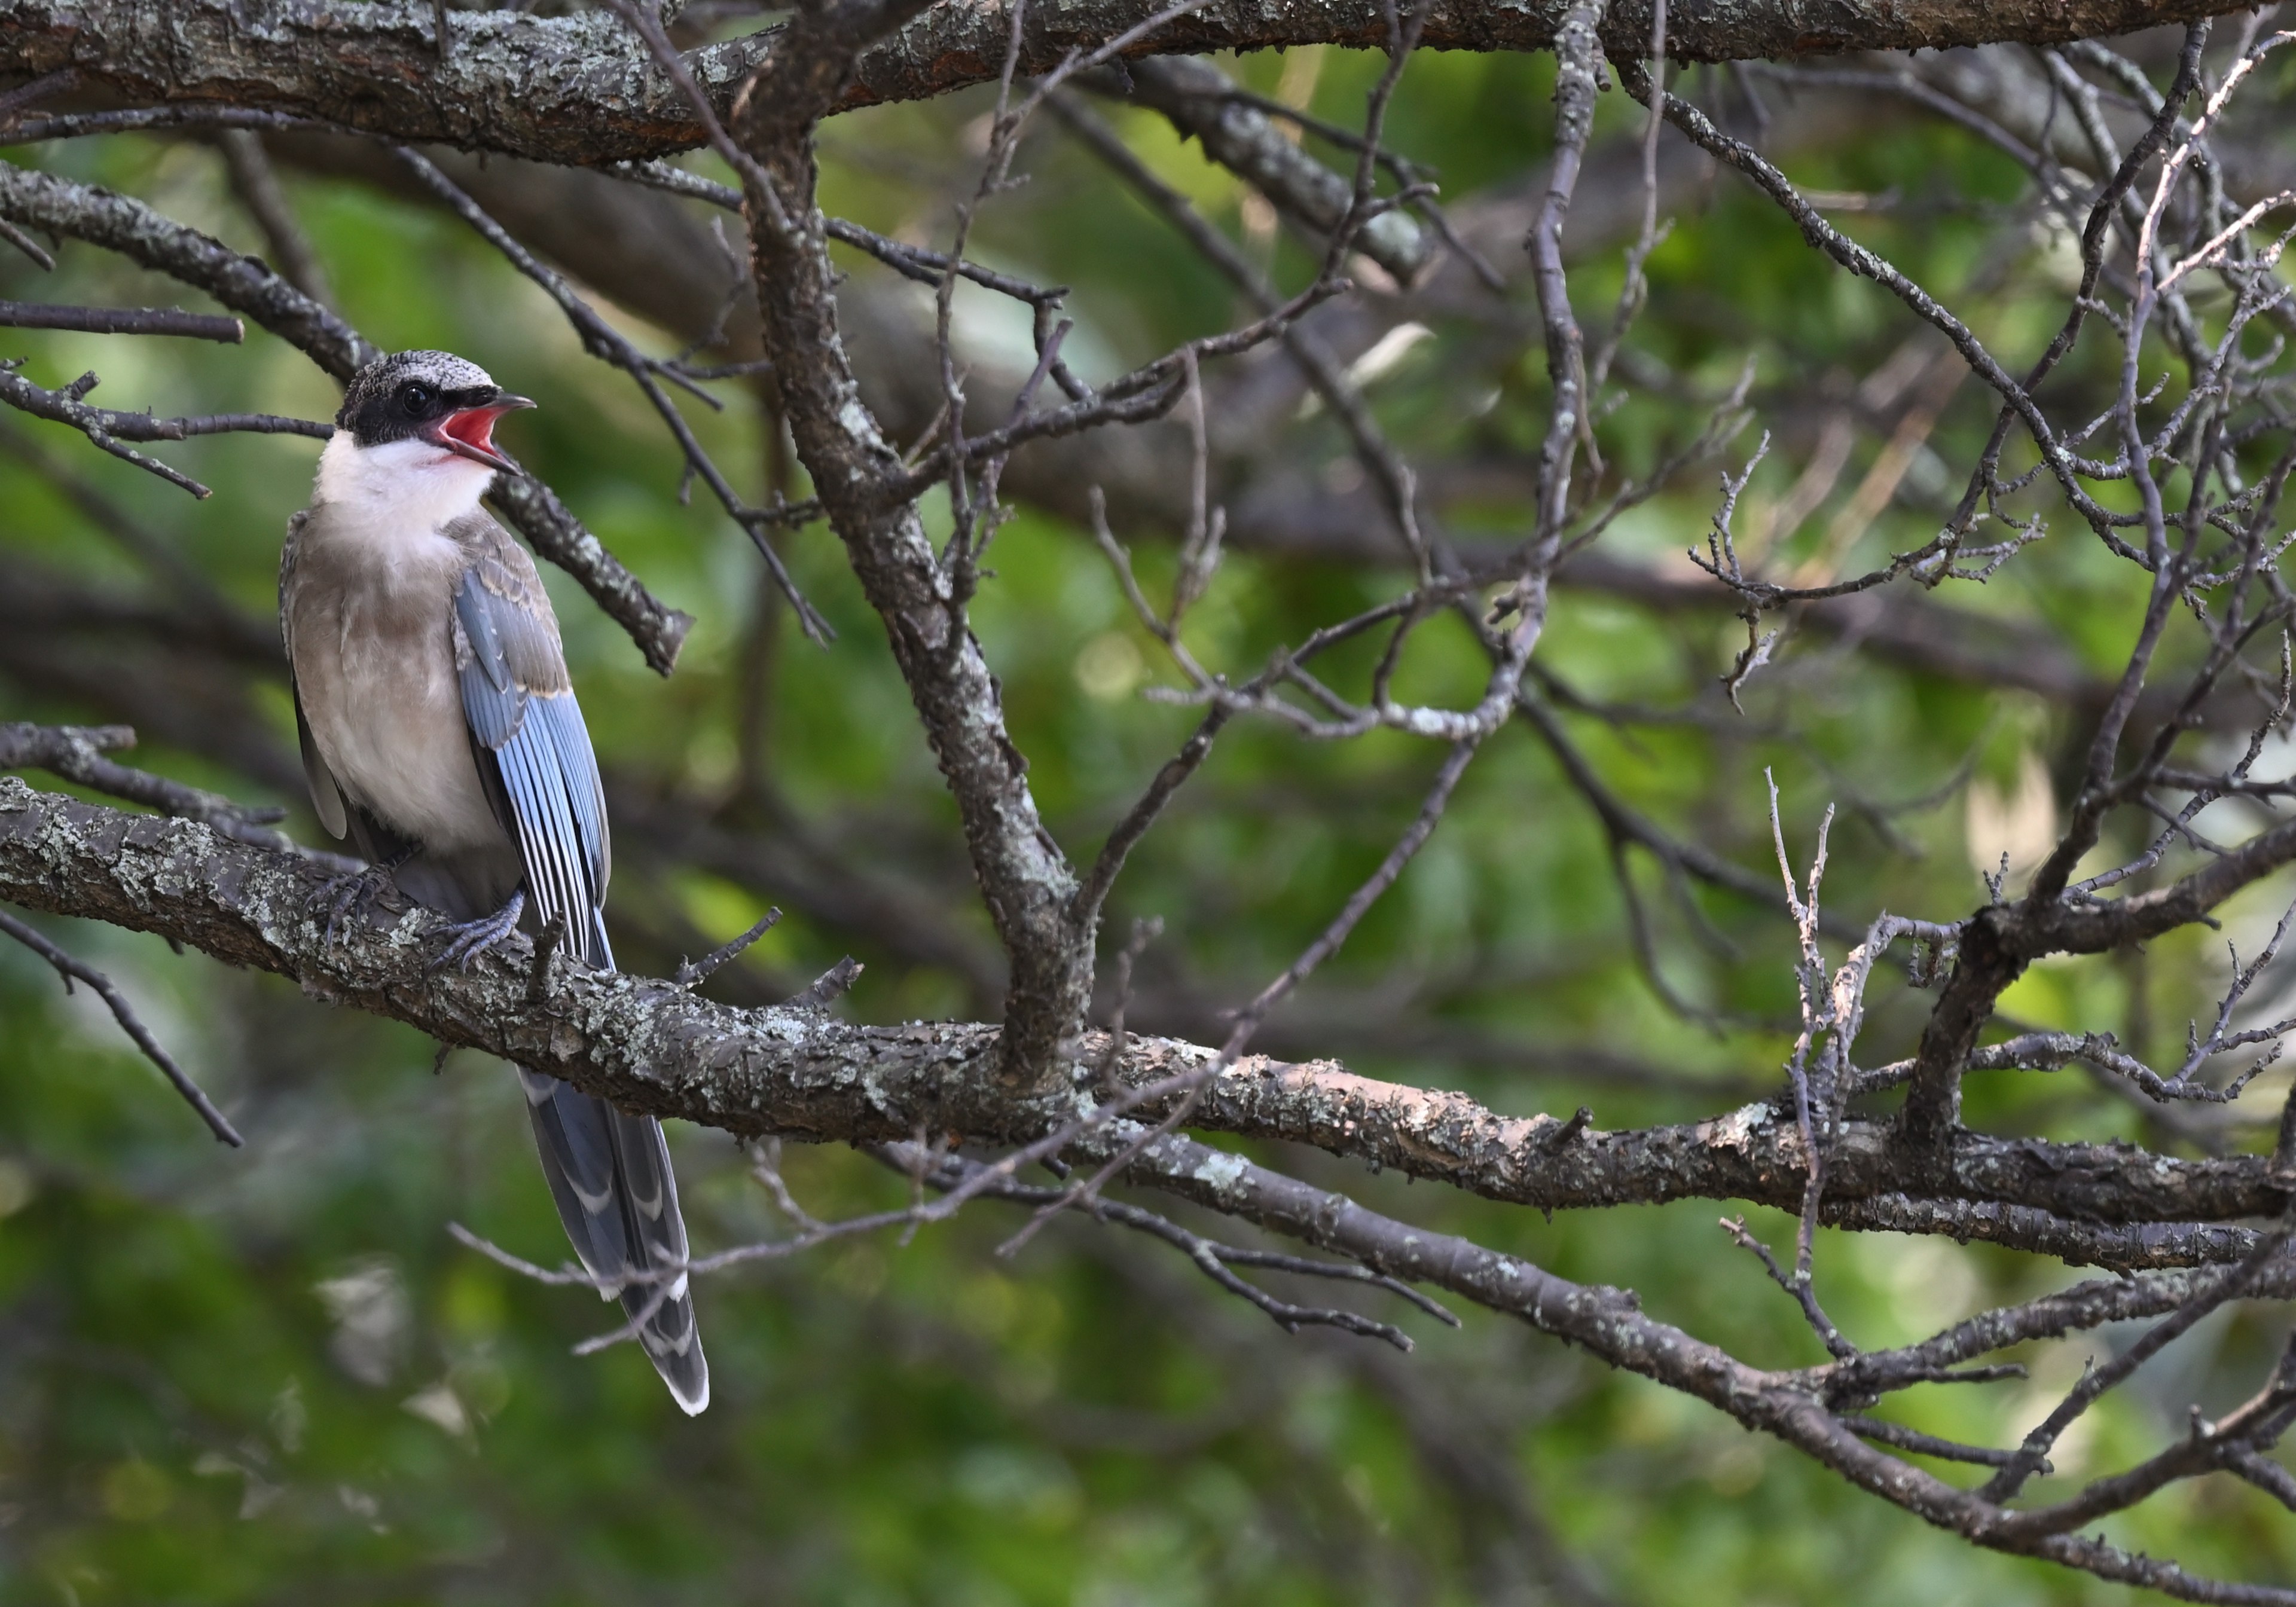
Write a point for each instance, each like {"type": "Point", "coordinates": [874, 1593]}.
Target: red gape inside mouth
{"type": "Point", "coordinates": [472, 430]}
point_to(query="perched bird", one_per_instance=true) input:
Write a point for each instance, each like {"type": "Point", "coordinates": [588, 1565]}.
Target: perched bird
{"type": "Point", "coordinates": [440, 735]}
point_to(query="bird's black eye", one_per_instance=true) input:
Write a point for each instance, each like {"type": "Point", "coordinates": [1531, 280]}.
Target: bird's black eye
{"type": "Point", "coordinates": [416, 398]}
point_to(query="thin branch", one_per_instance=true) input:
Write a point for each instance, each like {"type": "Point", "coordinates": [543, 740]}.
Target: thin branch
{"type": "Point", "coordinates": [71, 969]}
{"type": "Point", "coordinates": [77, 753]}
{"type": "Point", "coordinates": [122, 320]}
{"type": "Point", "coordinates": [1210, 1258]}
{"type": "Point", "coordinates": [110, 430]}
{"type": "Point", "coordinates": [604, 341]}
{"type": "Point", "coordinates": [691, 972]}
{"type": "Point", "coordinates": [827, 988]}
{"type": "Point", "coordinates": [255, 184]}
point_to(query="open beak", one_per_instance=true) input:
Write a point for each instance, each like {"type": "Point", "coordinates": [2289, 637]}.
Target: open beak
{"type": "Point", "coordinates": [470, 432]}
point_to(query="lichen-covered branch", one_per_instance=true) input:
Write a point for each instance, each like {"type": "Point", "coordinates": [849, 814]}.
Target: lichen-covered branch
{"type": "Point", "coordinates": [581, 88]}
{"type": "Point", "coordinates": [654, 1046]}
{"type": "Point", "coordinates": [857, 473]}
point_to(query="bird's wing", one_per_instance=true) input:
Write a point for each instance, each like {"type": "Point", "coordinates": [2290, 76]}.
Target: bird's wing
{"type": "Point", "coordinates": [609, 1170]}
{"type": "Point", "coordinates": [527, 734]}
{"type": "Point", "coordinates": [326, 796]}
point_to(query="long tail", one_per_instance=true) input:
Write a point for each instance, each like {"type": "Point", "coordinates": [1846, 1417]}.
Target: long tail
{"type": "Point", "coordinates": [609, 1171]}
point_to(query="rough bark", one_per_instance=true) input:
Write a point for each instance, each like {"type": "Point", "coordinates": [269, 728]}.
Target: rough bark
{"type": "Point", "coordinates": [655, 1047]}
{"type": "Point", "coordinates": [1025, 879]}
{"type": "Point", "coordinates": [580, 88]}
{"type": "Point", "coordinates": [586, 89]}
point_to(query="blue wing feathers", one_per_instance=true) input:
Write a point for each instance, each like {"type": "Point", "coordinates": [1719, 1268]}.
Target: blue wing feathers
{"type": "Point", "coordinates": [559, 870]}
{"type": "Point", "coordinates": [542, 755]}
{"type": "Point", "coordinates": [572, 737]}
{"type": "Point", "coordinates": [609, 1170]}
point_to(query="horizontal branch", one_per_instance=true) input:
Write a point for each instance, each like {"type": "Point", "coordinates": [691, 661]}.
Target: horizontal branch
{"type": "Point", "coordinates": [580, 88]}
{"type": "Point", "coordinates": [77, 753]}
{"type": "Point", "coordinates": [2124, 1246]}
{"type": "Point", "coordinates": [122, 320]}
{"type": "Point", "coordinates": [122, 224]}
{"type": "Point", "coordinates": [65, 407]}
{"type": "Point", "coordinates": [651, 1045]}
{"type": "Point", "coordinates": [110, 430]}
{"type": "Point", "coordinates": [1610, 1324]}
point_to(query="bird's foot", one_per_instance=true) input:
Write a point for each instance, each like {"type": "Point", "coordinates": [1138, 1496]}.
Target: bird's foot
{"type": "Point", "coordinates": [352, 898]}
{"type": "Point", "coordinates": [467, 940]}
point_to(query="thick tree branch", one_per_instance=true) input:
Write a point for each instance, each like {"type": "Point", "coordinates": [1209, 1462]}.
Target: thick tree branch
{"type": "Point", "coordinates": [1609, 1324]}
{"type": "Point", "coordinates": [652, 1045]}
{"type": "Point", "coordinates": [581, 89]}
{"type": "Point", "coordinates": [1025, 879]}
{"type": "Point", "coordinates": [2187, 1234]}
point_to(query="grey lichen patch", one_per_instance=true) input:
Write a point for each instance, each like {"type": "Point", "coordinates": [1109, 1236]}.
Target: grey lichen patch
{"type": "Point", "coordinates": [1219, 1170]}
{"type": "Point", "coordinates": [1741, 1128]}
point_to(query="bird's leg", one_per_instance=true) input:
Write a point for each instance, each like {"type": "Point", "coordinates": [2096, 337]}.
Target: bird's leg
{"type": "Point", "coordinates": [354, 895]}
{"type": "Point", "coordinates": [466, 941]}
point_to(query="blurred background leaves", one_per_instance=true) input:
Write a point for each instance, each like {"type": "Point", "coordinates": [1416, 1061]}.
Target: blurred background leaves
{"type": "Point", "coordinates": [269, 1377]}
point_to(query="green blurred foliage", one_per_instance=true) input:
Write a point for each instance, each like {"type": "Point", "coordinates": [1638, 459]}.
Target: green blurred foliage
{"type": "Point", "coordinates": [270, 1376]}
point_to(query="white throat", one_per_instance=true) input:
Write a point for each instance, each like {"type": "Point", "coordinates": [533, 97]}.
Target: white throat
{"type": "Point", "coordinates": [410, 486]}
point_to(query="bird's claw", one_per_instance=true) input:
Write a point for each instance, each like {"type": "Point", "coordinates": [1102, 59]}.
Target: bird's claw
{"type": "Point", "coordinates": [349, 898]}
{"type": "Point", "coordinates": [466, 941]}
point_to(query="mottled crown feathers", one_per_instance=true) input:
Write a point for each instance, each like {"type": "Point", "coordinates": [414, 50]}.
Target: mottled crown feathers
{"type": "Point", "coordinates": [393, 399]}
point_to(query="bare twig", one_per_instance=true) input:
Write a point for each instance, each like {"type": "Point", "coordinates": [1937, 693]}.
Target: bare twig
{"type": "Point", "coordinates": [71, 969]}
{"type": "Point", "coordinates": [122, 320]}
{"type": "Point", "coordinates": [827, 988]}
{"type": "Point", "coordinates": [690, 972]}
{"type": "Point", "coordinates": [110, 430]}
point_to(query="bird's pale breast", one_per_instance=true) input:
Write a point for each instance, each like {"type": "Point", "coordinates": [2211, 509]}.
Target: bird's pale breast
{"type": "Point", "coordinates": [370, 617]}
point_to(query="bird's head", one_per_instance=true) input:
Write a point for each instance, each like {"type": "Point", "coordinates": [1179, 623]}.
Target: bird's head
{"type": "Point", "coordinates": [433, 399]}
